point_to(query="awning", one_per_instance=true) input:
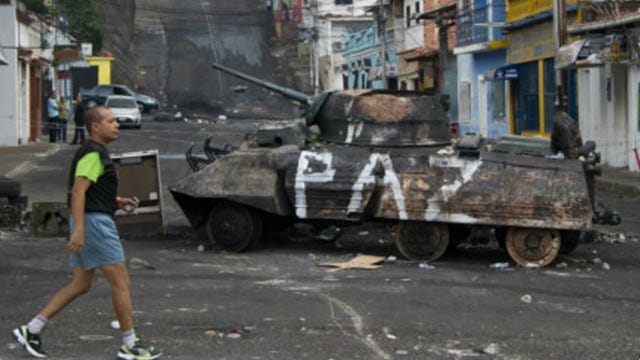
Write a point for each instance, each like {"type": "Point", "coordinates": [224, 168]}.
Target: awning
{"type": "Point", "coordinates": [508, 72]}
{"type": "Point", "coordinates": [594, 51]}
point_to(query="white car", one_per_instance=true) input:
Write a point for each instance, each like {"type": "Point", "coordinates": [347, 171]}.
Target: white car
{"type": "Point", "coordinates": [125, 109]}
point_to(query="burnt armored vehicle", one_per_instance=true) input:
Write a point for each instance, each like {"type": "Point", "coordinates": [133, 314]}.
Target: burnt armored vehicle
{"type": "Point", "coordinates": [390, 156]}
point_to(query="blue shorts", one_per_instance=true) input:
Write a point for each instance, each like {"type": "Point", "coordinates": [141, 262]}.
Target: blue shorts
{"type": "Point", "coordinates": [102, 244]}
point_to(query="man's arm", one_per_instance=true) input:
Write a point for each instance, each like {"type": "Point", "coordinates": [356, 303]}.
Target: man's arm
{"type": "Point", "coordinates": [78, 192]}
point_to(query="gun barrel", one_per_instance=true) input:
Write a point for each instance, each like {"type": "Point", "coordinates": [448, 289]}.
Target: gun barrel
{"type": "Point", "coordinates": [289, 93]}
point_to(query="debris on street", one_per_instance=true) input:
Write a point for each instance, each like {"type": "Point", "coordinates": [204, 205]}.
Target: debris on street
{"type": "Point", "coordinates": [499, 265]}
{"type": "Point", "coordinates": [426, 266]}
{"type": "Point", "coordinates": [526, 298]}
{"type": "Point", "coordinates": [137, 263]}
{"type": "Point", "coordinates": [367, 262]}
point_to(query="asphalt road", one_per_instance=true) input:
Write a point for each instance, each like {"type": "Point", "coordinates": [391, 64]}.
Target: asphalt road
{"type": "Point", "coordinates": [277, 303]}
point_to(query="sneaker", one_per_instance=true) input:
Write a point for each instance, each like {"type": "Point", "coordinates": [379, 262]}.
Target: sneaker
{"type": "Point", "coordinates": [138, 351]}
{"type": "Point", "coordinates": [30, 342]}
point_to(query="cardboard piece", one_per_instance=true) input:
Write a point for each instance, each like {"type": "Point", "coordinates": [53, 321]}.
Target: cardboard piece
{"type": "Point", "coordinates": [367, 262]}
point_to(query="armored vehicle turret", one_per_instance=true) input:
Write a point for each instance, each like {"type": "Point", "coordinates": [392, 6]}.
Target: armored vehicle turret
{"type": "Point", "coordinates": [390, 157]}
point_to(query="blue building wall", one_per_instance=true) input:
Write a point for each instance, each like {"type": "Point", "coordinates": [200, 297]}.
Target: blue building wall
{"type": "Point", "coordinates": [470, 66]}
{"type": "Point", "coordinates": [361, 54]}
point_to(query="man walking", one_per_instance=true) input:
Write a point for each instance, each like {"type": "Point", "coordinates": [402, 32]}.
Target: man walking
{"type": "Point", "coordinates": [94, 241]}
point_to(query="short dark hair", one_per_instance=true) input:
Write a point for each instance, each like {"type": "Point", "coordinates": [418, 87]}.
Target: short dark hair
{"type": "Point", "coordinates": [92, 116]}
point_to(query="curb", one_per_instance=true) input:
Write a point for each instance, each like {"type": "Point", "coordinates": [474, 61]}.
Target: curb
{"type": "Point", "coordinates": [617, 187]}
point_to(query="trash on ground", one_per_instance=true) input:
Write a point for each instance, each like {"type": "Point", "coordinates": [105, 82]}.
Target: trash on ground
{"type": "Point", "coordinates": [499, 265]}
{"type": "Point", "coordinates": [597, 261]}
{"type": "Point", "coordinates": [137, 263]}
{"type": "Point", "coordinates": [363, 233]}
{"type": "Point", "coordinates": [115, 324]}
{"type": "Point", "coordinates": [390, 259]}
{"type": "Point", "coordinates": [426, 266]}
{"type": "Point", "coordinates": [211, 333]}
{"type": "Point", "coordinates": [402, 352]}
{"type": "Point", "coordinates": [606, 266]}
{"type": "Point", "coordinates": [562, 265]}
{"type": "Point", "coordinates": [526, 298]}
{"type": "Point", "coordinates": [367, 262]}
{"type": "Point", "coordinates": [491, 349]}
{"type": "Point", "coordinates": [200, 248]}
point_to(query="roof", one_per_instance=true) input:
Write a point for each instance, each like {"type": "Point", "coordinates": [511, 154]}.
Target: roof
{"type": "Point", "coordinates": [418, 53]}
{"type": "Point", "coordinates": [606, 23]}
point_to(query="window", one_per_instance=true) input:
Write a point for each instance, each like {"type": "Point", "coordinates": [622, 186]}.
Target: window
{"type": "Point", "coordinates": [498, 101]}
{"type": "Point", "coordinates": [408, 16]}
{"type": "Point", "coordinates": [417, 11]}
{"type": "Point", "coordinates": [464, 96]}
{"type": "Point", "coordinates": [344, 2]}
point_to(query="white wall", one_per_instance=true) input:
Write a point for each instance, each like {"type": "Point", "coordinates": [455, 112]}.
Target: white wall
{"type": "Point", "coordinates": [358, 7]}
{"type": "Point", "coordinates": [9, 76]}
{"type": "Point", "coordinates": [605, 119]}
{"type": "Point", "coordinates": [633, 135]}
{"type": "Point", "coordinates": [414, 34]}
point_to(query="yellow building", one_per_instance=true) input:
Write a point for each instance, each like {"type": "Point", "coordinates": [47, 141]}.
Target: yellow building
{"type": "Point", "coordinates": [104, 68]}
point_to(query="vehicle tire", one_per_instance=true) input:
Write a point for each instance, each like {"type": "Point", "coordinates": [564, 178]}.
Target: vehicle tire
{"type": "Point", "coordinates": [141, 108]}
{"type": "Point", "coordinates": [423, 241]}
{"type": "Point", "coordinates": [531, 247]}
{"type": "Point", "coordinates": [234, 227]}
{"type": "Point", "coordinates": [9, 188]}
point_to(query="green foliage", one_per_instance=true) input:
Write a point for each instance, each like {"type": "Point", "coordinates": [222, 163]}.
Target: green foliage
{"type": "Point", "coordinates": [36, 6]}
{"type": "Point", "coordinates": [84, 21]}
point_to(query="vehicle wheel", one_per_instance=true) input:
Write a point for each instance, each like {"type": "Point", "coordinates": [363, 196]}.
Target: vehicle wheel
{"type": "Point", "coordinates": [570, 240]}
{"type": "Point", "coordinates": [533, 247]}
{"type": "Point", "coordinates": [234, 227]}
{"type": "Point", "coordinates": [422, 240]}
{"type": "Point", "coordinates": [9, 188]}
{"type": "Point", "coordinates": [141, 108]}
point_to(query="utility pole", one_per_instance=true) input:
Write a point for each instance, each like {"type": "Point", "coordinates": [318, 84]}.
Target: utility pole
{"type": "Point", "coordinates": [382, 31]}
{"type": "Point", "coordinates": [559, 40]}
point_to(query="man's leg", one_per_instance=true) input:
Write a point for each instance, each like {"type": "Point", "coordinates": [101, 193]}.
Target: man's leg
{"type": "Point", "coordinates": [118, 278]}
{"type": "Point", "coordinates": [80, 284]}
{"type": "Point", "coordinates": [29, 335]}
{"type": "Point", "coordinates": [132, 348]}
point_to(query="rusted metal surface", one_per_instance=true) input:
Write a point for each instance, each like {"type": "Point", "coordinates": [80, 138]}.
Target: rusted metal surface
{"type": "Point", "coordinates": [344, 183]}
{"type": "Point", "coordinates": [389, 157]}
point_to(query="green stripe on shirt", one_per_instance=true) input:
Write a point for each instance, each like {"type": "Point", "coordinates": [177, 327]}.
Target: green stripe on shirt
{"type": "Point", "coordinates": [90, 167]}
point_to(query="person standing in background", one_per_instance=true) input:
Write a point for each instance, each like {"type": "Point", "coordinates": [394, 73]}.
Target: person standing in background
{"type": "Point", "coordinates": [78, 120]}
{"type": "Point", "coordinates": [63, 113]}
{"type": "Point", "coordinates": [52, 114]}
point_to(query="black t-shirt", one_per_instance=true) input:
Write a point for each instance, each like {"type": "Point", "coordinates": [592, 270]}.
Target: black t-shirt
{"type": "Point", "coordinates": [92, 161]}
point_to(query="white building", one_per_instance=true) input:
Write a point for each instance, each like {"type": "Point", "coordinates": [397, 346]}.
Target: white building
{"type": "Point", "coordinates": [330, 19]}
{"type": "Point", "coordinates": [609, 92]}
{"type": "Point", "coordinates": [27, 42]}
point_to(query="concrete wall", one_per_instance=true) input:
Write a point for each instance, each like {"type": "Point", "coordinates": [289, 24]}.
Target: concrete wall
{"type": "Point", "coordinates": [9, 76]}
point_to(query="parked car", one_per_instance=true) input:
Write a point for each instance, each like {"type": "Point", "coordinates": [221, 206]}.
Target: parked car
{"type": "Point", "coordinates": [125, 109]}
{"type": "Point", "coordinates": [98, 95]}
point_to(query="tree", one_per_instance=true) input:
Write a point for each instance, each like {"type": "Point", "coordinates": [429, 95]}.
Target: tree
{"type": "Point", "coordinates": [36, 6]}
{"type": "Point", "coordinates": [81, 17]}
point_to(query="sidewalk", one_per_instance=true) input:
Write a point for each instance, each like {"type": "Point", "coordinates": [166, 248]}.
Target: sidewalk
{"type": "Point", "coordinates": [14, 158]}
{"type": "Point", "coordinates": [619, 181]}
